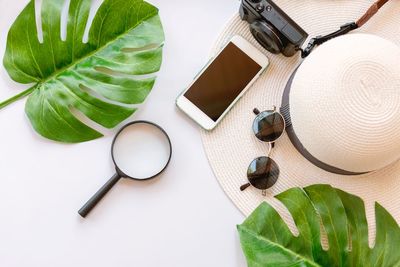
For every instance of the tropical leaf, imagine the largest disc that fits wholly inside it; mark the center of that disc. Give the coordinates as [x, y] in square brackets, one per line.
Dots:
[95, 78]
[267, 241]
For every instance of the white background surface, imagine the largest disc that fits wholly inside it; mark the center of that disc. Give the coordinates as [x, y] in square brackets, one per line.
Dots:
[181, 219]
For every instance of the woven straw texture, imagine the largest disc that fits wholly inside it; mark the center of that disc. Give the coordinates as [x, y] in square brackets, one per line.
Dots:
[232, 146]
[345, 103]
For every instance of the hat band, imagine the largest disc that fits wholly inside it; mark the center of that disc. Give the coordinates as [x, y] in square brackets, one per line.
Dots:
[285, 111]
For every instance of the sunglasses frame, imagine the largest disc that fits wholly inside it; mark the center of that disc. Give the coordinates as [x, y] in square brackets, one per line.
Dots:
[273, 111]
[271, 144]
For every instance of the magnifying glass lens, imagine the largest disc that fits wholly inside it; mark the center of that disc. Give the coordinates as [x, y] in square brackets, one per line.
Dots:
[141, 150]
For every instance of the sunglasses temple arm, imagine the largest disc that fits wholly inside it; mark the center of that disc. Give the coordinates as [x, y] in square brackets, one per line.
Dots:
[84, 211]
[244, 187]
[256, 111]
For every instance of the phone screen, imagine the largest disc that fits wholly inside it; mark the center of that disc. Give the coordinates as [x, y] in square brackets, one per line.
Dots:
[223, 81]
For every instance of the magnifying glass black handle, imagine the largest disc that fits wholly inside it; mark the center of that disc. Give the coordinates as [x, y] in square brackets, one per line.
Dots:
[99, 195]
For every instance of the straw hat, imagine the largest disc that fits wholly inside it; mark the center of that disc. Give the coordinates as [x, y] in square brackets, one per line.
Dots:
[344, 104]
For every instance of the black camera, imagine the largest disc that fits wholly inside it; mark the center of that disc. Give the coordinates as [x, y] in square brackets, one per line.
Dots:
[272, 27]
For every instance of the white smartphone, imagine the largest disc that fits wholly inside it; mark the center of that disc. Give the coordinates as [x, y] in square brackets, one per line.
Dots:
[221, 83]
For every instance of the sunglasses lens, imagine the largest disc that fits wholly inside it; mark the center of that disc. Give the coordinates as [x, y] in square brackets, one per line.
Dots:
[263, 173]
[268, 126]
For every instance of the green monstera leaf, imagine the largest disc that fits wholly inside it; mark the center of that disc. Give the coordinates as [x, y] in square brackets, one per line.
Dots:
[96, 78]
[267, 241]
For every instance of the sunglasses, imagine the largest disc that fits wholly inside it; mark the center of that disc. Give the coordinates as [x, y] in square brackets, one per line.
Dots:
[263, 172]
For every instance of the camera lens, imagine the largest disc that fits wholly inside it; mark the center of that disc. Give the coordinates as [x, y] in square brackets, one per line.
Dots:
[266, 36]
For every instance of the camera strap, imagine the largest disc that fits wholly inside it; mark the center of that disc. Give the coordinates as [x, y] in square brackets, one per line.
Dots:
[344, 28]
[371, 12]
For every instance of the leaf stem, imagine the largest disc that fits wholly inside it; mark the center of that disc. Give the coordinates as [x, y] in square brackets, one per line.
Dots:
[17, 97]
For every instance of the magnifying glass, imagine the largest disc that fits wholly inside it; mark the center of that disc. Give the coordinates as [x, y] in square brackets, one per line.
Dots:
[141, 150]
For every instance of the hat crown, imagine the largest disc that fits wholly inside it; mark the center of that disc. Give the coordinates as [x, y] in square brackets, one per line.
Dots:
[345, 103]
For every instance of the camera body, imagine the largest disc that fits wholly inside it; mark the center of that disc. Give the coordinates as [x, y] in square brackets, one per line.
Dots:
[272, 27]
